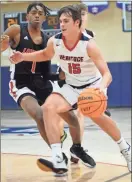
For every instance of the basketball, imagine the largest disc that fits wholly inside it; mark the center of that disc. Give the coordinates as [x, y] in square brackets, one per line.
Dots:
[92, 103]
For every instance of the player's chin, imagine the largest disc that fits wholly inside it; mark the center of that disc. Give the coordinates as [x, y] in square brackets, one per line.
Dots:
[64, 33]
[36, 23]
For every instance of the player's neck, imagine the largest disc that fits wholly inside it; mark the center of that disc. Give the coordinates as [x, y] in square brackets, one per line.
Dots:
[73, 38]
[34, 29]
[83, 29]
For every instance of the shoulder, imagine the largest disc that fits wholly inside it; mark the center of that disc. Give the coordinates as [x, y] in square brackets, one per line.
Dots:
[12, 31]
[14, 28]
[50, 42]
[92, 47]
[58, 35]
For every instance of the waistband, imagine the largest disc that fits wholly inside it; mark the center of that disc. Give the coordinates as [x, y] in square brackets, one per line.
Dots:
[62, 82]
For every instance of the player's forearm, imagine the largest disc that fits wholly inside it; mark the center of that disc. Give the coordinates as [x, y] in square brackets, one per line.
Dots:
[106, 80]
[4, 47]
[37, 56]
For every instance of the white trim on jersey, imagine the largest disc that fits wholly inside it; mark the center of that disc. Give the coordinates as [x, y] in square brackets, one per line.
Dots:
[12, 70]
[16, 93]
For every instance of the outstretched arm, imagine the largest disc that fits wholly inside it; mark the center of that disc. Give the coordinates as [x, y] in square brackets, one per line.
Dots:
[38, 56]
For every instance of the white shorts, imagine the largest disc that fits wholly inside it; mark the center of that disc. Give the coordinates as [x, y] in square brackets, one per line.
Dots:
[71, 94]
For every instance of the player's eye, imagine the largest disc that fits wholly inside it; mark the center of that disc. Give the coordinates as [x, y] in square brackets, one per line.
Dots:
[33, 12]
[66, 21]
[40, 13]
[82, 14]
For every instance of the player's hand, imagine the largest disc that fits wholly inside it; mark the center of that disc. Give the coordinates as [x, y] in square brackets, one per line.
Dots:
[101, 89]
[4, 42]
[17, 57]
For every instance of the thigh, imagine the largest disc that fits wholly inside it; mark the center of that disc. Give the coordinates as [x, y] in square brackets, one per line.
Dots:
[30, 105]
[67, 92]
[58, 103]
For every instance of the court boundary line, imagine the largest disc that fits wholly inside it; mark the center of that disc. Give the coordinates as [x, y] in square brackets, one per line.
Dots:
[37, 155]
[118, 177]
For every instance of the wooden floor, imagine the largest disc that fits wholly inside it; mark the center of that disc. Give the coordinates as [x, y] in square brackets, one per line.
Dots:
[19, 136]
[23, 168]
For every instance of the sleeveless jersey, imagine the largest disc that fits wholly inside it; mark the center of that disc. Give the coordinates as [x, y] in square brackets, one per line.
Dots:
[78, 67]
[26, 44]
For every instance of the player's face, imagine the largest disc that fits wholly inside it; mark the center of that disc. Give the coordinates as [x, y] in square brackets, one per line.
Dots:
[67, 25]
[36, 16]
[84, 16]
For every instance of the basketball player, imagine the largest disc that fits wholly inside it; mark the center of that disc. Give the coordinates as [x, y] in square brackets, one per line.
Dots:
[29, 85]
[83, 64]
[84, 16]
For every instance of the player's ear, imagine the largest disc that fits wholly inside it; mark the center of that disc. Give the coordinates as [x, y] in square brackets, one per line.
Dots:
[77, 23]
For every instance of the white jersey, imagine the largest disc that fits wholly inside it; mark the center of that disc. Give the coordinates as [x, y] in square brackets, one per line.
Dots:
[78, 67]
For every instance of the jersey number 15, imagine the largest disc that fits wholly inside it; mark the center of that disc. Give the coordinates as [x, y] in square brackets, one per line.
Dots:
[74, 68]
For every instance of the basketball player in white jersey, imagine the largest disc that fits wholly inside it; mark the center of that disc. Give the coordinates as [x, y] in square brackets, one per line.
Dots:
[84, 16]
[83, 63]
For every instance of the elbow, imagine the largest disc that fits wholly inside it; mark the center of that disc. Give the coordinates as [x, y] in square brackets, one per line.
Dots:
[110, 78]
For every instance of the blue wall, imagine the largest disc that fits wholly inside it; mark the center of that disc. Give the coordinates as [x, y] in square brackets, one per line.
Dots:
[119, 92]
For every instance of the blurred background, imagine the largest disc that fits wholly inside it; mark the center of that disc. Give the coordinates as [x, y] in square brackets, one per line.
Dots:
[111, 22]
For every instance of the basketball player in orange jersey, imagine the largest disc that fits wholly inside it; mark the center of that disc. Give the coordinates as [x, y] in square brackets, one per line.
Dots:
[83, 64]
[28, 87]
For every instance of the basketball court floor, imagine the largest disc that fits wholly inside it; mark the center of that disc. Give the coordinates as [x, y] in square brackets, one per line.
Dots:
[21, 146]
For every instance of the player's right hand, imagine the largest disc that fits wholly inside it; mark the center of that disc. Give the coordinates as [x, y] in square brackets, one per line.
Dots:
[4, 42]
[17, 57]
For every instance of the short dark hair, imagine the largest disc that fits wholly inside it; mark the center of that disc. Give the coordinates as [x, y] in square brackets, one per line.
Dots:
[71, 11]
[82, 7]
[35, 4]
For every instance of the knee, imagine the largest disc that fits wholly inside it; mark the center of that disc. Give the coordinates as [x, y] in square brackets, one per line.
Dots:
[49, 107]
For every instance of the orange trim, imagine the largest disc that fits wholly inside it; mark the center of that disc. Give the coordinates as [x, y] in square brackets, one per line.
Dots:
[70, 49]
[33, 69]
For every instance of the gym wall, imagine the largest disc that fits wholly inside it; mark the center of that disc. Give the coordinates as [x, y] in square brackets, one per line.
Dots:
[113, 42]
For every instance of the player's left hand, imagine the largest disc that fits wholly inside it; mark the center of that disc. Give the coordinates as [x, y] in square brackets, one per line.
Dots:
[101, 89]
